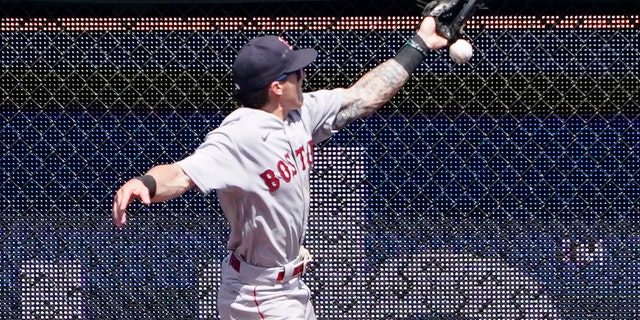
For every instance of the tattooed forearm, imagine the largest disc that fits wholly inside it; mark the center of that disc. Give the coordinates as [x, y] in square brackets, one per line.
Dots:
[372, 91]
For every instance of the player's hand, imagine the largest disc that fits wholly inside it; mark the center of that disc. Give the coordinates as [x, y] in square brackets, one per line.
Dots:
[431, 38]
[133, 189]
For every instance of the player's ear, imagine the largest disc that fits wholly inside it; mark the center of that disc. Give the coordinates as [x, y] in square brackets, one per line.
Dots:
[276, 87]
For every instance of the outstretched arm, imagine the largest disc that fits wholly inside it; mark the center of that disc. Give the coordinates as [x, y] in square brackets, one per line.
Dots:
[377, 86]
[170, 182]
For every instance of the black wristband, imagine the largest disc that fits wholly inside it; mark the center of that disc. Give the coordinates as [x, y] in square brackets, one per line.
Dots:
[150, 183]
[412, 54]
[418, 44]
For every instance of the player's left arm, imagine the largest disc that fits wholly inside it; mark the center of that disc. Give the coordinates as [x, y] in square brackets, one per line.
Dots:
[376, 87]
[372, 91]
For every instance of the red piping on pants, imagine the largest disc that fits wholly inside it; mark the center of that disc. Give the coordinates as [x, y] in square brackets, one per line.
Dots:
[255, 299]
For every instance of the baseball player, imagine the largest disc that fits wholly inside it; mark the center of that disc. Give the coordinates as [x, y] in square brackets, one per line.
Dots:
[259, 159]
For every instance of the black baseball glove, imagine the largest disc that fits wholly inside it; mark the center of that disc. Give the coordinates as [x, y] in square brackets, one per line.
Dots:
[450, 15]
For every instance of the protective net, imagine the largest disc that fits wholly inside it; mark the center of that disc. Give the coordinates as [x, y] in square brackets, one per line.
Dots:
[504, 188]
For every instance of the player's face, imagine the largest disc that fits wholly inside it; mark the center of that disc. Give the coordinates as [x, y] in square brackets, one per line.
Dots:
[292, 96]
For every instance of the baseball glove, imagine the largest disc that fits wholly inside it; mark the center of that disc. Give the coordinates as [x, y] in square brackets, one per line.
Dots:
[450, 15]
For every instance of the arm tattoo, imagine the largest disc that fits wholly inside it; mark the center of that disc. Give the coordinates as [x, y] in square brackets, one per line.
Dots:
[371, 92]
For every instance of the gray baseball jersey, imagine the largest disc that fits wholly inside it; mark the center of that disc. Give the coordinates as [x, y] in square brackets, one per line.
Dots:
[259, 166]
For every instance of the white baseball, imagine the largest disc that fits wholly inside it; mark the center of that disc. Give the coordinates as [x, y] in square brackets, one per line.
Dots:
[460, 51]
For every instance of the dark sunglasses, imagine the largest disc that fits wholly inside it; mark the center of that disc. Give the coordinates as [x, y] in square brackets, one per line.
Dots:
[299, 74]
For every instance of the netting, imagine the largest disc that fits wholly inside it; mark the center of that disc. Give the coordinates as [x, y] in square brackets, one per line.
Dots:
[504, 188]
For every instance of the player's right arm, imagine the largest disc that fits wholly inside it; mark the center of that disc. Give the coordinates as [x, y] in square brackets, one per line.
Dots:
[171, 181]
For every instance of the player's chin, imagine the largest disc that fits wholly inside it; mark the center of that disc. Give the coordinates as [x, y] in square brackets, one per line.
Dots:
[294, 105]
[299, 101]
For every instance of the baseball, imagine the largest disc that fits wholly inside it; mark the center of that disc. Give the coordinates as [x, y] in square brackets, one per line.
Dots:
[460, 51]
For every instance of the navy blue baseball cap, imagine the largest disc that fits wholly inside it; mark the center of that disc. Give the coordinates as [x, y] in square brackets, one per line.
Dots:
[264, 59]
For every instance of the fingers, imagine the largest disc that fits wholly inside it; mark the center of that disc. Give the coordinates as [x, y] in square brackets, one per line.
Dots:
[133, 189]
[430, 36]
[120, 203]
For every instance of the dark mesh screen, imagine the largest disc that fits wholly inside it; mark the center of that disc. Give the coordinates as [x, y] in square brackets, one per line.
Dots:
[504, 188]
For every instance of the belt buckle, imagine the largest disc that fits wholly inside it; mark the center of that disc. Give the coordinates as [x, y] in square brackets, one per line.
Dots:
[301, 267]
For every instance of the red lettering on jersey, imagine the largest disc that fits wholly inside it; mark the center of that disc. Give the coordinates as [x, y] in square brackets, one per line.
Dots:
[284, 171]
[300, 154]
[292, 165]
[310, 151]
[270, 180]
[287, 167]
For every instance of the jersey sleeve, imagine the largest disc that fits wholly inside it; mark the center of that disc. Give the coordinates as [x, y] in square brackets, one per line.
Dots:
[319, 111]
[214, 164]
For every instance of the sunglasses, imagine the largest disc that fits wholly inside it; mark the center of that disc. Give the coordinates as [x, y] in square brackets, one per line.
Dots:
[299, 75]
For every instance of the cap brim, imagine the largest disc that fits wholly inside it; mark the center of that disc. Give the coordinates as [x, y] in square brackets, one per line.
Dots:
[302, 58]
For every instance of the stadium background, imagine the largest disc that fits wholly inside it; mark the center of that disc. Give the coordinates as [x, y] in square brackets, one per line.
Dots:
[505, 188]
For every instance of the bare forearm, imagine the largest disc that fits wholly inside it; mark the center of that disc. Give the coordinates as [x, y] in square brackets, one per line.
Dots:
[171, 182]
[377, 86]
[371, 92]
